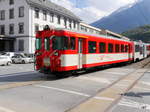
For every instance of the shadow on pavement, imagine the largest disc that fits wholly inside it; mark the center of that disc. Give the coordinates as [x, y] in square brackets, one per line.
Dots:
[34, 75]
[25, 76]
[139, 94]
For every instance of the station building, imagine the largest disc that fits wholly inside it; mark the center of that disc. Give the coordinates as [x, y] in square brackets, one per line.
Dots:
[20, 19]
[93, 30]
[90, 29]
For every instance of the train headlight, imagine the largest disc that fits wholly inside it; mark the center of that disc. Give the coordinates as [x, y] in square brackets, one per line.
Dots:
[56, 53]
[47, 62]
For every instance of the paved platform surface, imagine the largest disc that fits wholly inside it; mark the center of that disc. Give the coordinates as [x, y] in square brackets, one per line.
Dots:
[136, 99]
[19, 94]
[108, 97]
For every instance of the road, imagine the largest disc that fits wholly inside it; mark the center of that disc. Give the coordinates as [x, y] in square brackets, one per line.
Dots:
[24, 90]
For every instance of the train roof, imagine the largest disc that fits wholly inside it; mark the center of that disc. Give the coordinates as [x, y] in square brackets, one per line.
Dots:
[87, 33]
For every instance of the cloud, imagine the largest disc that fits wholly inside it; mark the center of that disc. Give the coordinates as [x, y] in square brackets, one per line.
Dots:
[89, 14]
[109, 5]
[94, 9]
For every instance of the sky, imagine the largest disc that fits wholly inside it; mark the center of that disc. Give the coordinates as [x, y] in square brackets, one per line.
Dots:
[92, 10]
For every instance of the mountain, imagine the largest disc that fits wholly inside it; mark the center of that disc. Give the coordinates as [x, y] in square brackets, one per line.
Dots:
[125, 18]
[139, 33]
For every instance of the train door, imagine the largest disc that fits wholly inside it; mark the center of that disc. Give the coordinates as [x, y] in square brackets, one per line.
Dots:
[144, 51]
[80, 53]
[130, 52]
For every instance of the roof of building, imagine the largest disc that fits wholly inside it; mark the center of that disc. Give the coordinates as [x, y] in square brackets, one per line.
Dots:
[89, 26]
[116, 35]
[47, 4]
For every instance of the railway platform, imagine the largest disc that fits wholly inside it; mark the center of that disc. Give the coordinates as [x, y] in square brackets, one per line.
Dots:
[106, 98]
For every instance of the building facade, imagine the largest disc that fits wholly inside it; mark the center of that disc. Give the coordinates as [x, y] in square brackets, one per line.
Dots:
[20, 19]
[90, 29]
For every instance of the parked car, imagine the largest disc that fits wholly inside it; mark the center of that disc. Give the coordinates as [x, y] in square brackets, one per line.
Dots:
[5, 60]
[31, 56]
[1, 53]
[9, 54]
[20, 59]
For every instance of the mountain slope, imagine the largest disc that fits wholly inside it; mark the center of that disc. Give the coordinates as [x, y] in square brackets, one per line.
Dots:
[126, 18]
[140, 33]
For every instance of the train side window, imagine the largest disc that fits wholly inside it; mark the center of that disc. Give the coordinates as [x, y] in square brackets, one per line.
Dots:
[72, 43]
[117, 48]
[110, 48]
[137, 48]
[60, 43]
[102, 47]
[65, 42]
[141, 49]
[56, 43]
[126, 48]
[92, 46]
[122, 48]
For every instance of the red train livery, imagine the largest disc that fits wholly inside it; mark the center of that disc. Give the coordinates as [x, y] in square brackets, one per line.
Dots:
[60, 50]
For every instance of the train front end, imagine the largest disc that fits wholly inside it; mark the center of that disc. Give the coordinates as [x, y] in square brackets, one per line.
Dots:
[47, 58]
[51, 49]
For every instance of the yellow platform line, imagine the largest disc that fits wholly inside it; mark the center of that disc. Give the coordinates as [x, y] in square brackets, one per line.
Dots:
[19, 84]
[113, 92]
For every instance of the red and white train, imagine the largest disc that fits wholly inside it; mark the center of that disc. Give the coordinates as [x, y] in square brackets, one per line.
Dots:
[60, 50]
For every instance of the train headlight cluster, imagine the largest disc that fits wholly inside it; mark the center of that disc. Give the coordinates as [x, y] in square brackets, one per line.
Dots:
[47, 61]
[56, 53]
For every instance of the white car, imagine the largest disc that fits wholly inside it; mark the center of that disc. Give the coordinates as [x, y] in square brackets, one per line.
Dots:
[9, 54]
[20, 59]
[31, 56]
[5, 60]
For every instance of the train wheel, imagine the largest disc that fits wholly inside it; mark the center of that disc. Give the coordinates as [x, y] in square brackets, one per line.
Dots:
[74, 73]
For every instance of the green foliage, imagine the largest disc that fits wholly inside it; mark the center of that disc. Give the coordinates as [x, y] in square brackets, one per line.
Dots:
[140, 33]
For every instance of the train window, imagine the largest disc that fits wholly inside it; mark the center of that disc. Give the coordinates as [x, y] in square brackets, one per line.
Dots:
[72, 43]
[102, 47]
[137, 48]
[122, 48]
[110, 48]
[65, 43]
[56, 44]
[117, 48]
[141, 49]
[46, 44]
[60, 43]
[126, 48]
[147, 48]
[38, 43]
[92, 46]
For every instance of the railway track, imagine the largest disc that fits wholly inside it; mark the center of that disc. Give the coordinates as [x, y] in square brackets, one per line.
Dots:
[39, 80]
[107, 97]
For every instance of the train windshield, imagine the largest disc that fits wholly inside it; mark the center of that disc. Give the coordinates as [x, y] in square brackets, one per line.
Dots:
[38, 43]
[47, 44]
[60, 43]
